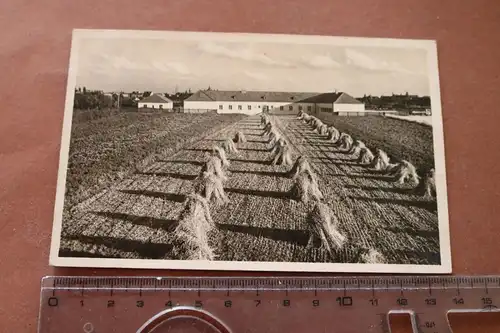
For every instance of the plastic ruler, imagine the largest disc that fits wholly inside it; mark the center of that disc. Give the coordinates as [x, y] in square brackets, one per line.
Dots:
[260, 305]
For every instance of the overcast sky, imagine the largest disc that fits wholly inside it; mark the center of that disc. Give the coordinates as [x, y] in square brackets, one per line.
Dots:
[161, 66]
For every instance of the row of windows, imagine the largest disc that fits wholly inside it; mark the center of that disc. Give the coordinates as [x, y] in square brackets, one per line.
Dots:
[152, 106]
[290, 107]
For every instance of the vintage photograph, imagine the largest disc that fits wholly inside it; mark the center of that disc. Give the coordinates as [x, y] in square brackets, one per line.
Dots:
[261, 152]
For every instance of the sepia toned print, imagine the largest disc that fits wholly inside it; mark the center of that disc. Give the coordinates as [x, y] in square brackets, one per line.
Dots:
[252, 152]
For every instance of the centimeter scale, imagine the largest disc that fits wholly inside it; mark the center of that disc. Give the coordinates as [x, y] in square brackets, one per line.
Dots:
[260, 305]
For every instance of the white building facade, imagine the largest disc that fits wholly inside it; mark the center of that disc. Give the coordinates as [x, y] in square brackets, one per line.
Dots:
[156, 101]
[254, 102]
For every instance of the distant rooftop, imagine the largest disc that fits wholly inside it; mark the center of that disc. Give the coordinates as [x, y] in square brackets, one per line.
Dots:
[272, 96]
[156, 98]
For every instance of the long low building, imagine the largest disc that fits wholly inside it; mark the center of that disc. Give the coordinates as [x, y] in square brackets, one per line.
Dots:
[253, 102]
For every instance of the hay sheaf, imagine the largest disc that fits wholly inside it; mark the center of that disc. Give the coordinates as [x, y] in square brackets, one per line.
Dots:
[192, 230]
[372, 256]
[214, 165]
[311, 120]
[306, 118]
[301, 165]
[405, 172]
[430, 185]
[356, 147]
[229, 147]
[345, 142]
[282, 156]
[317, 124]
[239, 137]
[221, 154]
[381, 160]
[264, 120]
[211, 187]
[323, 226]
[322, 129]
[274, 137]
[268, 129]
[365, 156]
[280, 143]
[333, 134]
[305, 188]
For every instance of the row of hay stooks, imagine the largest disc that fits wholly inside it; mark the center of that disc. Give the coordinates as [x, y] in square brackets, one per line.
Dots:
[322, 223]
[191, 233]
[403, 172]
[195, 222]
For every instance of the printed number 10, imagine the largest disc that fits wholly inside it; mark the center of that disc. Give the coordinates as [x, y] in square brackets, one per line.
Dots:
[344, 301]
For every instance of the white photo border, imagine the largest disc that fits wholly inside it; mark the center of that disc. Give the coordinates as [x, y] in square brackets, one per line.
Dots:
[438, 139]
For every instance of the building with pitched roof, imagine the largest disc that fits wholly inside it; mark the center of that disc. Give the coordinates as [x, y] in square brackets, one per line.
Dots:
[156, 101]
[253, 102]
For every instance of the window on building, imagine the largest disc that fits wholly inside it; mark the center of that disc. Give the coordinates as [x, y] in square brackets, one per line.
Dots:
[259, 106]
[239, 107]
[161, 106]
[144, 105]
[290, 107]
[152, 106]
[309, 108]
[249, 107]
[281, 107]
[221, 106]
[230, 107]
[300, 107]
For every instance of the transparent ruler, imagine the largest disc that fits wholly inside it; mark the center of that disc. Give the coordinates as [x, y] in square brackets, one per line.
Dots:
[260, 305]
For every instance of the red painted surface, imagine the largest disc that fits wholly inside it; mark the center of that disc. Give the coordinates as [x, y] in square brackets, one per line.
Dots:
[34, 52]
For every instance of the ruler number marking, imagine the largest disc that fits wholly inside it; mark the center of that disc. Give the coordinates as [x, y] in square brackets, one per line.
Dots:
[139, 304]
[198, 304]
[111, 303]
[344, 301]
[374, 302]
[53, 301]
[257, 302]
[430, 301]
[430, 324]
[228, 304]
[487, 301]
[402, 301]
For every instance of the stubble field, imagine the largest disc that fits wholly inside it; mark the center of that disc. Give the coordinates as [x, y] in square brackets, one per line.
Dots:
[135, 217]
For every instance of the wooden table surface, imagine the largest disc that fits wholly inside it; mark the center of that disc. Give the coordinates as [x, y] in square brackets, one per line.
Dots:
[34, 51]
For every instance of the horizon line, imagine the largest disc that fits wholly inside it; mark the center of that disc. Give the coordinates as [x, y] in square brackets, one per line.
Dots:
[241, 90]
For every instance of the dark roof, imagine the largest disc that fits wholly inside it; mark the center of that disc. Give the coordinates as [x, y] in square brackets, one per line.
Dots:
[248, 96]
[322, 98]
[346, 99]
[272, 96]
[156, 98]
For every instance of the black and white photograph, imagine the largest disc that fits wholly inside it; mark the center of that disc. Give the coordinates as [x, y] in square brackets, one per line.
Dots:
[257, 152]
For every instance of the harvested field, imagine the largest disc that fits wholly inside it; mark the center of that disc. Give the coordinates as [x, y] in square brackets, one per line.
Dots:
[402, 140]
[105, 148]
[137, 216]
